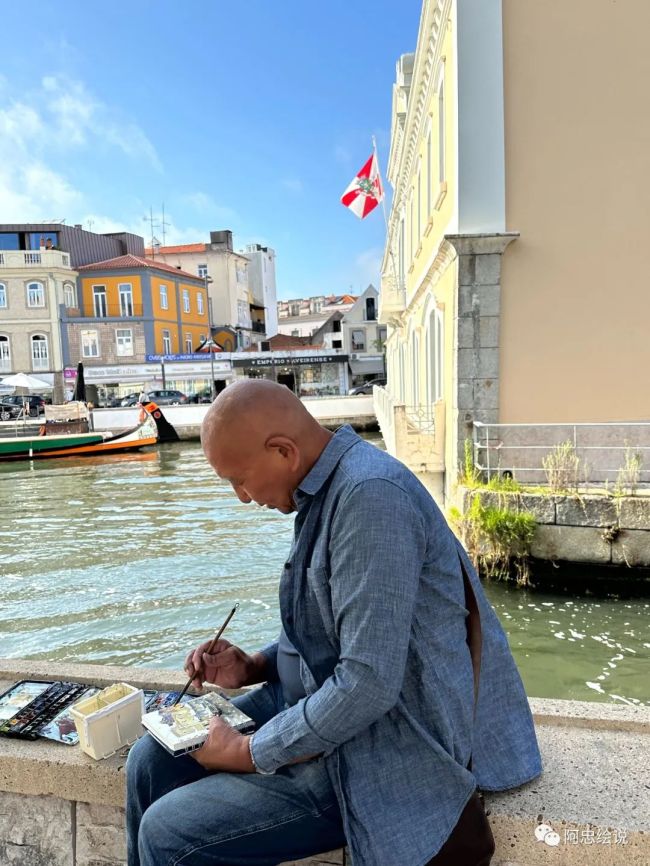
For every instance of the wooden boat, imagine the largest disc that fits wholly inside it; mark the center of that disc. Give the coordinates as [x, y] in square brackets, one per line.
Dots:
[52, 441]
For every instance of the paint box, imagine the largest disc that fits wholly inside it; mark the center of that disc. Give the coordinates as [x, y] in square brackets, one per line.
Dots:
[109, 720]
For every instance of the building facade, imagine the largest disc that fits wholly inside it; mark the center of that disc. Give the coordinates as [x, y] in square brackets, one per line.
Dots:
[519, 203]
[225, 275]
[358, 333]
[33, 285]
[301, 317]
[126, 311]
[261, 281]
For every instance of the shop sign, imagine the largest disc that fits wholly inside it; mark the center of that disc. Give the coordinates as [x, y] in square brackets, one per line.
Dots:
[193, 356]
[288, 360]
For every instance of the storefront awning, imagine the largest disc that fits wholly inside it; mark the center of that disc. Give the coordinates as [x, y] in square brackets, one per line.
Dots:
[366, 366]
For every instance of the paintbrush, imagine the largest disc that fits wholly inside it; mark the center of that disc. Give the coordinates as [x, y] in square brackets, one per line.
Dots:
[209, 650]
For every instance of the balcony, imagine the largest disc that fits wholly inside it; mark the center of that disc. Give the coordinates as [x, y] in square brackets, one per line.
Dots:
[104, 311]
[413, 434]
[34, 259]
[392, 299]
[259, 327]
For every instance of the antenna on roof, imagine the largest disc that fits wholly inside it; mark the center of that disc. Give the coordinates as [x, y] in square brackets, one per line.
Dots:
[163, 223]
[153, 225]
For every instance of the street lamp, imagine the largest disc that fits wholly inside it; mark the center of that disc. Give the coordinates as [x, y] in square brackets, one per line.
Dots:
[212, 346]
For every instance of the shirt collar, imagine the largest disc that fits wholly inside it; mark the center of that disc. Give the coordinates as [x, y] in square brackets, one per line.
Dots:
[341, 441]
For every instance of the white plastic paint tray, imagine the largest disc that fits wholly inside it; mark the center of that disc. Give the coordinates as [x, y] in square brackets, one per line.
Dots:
[109, 720]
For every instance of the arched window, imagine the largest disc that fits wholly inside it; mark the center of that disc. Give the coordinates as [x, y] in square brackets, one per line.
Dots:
[40, 352]
[371, 310]
[402, 373]
[441, 129]
[3, 295]
[415, 372]
[439, 355]
[70, 295]
[35, 295]
[5, 354]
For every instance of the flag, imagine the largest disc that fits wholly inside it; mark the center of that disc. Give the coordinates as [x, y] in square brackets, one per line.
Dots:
[366, 191]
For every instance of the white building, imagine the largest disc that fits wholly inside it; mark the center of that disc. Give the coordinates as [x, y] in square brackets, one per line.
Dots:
[302, 317]
[358, 333]
[261, 282]
[225, 271]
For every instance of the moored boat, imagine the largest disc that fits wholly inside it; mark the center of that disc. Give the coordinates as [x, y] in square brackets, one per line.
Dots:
[49, 442]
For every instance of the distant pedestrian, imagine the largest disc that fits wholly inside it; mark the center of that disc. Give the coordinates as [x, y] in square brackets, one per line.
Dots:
[143, 397]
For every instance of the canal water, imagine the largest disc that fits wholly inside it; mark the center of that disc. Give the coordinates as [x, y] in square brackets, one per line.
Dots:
[134, 560]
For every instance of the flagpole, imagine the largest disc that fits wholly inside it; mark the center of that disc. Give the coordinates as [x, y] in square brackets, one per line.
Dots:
[383, 207]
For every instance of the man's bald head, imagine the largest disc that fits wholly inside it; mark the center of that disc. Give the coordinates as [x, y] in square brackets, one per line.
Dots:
[259, 436]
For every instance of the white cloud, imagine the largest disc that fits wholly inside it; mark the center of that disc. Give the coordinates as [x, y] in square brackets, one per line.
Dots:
[59, 118]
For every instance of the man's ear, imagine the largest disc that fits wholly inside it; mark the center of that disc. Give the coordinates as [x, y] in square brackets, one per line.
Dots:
[286, 448]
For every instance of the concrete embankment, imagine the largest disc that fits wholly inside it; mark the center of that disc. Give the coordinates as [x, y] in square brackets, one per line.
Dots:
[332, 412]
[61, 808]
[608, 534]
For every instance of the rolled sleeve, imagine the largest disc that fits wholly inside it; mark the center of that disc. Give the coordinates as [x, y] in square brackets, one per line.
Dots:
[377, 550]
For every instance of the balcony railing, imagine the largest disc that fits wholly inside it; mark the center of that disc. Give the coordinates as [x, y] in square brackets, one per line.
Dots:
[34, 259]
[259, 327]
[108, 311]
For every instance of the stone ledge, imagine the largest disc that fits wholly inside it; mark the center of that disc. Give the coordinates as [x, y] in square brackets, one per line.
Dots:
[596, 757]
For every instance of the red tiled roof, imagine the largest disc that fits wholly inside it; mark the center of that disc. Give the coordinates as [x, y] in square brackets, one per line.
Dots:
[180, 248]
[130, 261]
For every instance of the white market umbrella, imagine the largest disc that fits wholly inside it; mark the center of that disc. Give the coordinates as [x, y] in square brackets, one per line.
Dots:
[22, 380]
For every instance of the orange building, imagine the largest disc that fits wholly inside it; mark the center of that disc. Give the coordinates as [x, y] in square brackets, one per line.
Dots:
[132, 307]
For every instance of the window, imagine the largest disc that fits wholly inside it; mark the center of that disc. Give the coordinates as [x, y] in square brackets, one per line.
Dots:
[100, 306]
[411, 244]
[295, 332]
[294, 310]
[186, 301]
[202, 271]
[124, 341]
[188, 343]
[126, 299]
[440, 355]
[89, 344]
[164, 303]
[337, 344]
[70, 296]
[359, 340]
[5, 354]
[3, 295]
[429, 178]
[336, 326]
[240, 272]
[441, 131]
[419, 205]
[371, 311]
[167, 343]
[40, 354]
[35, 295]
[199, 303]
[400, 253]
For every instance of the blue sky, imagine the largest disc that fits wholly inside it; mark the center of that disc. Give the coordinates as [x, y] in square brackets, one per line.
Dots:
[247, 115]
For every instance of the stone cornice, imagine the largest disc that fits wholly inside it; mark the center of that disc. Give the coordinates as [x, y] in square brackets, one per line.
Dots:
[481, 244]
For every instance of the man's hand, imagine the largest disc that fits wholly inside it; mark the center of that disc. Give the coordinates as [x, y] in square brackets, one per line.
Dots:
[225, 749]
[226, 666]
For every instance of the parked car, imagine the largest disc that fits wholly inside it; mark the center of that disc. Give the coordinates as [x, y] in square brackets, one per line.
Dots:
[167, 398]
[200, 397]
[367, 387]
[35, 403]
[8, 411]
[129, 400]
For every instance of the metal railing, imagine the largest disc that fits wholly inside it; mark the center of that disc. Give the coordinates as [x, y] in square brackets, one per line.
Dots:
[110, 311]
[422, 417]
[520, 449]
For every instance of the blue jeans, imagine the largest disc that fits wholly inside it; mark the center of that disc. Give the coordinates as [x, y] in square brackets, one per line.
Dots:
[178, 813]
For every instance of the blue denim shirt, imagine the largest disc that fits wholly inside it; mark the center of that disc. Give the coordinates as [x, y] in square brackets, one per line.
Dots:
[372, 598]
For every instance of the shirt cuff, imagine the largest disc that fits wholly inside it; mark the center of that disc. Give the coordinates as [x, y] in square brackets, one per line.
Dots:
[256, 766]
[287, 737]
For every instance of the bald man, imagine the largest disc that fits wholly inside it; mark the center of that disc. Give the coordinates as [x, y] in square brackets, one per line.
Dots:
[370, 726]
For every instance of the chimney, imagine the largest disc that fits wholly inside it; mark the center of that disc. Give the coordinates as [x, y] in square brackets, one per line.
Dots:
[78, 226]
[222, 239]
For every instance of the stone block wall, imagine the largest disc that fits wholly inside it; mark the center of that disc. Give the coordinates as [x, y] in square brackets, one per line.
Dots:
[576, 528]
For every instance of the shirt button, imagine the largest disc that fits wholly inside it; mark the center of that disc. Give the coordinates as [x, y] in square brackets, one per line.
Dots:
[287, 565]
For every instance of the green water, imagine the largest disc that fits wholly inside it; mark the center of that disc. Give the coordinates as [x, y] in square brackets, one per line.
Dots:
[133, 560]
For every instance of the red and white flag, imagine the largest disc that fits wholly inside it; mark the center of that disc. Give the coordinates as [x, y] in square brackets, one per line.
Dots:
[366, 190]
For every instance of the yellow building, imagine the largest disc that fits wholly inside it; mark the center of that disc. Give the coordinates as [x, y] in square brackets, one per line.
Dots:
[132, 307]
[511, 280]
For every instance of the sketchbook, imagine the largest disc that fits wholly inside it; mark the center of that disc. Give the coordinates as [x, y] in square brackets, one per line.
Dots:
[184, 727]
